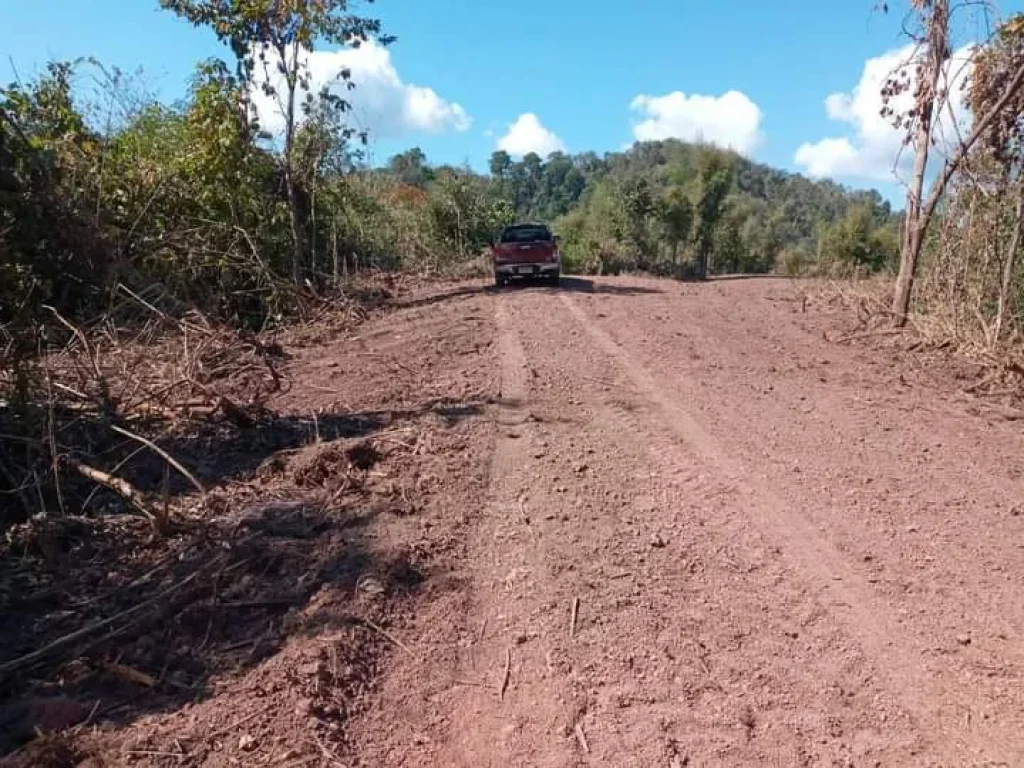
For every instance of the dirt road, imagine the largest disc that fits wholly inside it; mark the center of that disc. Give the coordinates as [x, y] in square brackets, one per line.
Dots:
[711, 537]
[622, 523]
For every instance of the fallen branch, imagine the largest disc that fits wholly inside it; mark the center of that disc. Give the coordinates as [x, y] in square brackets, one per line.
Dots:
[163, 454]
[122, 488]
[868, 334]
[573, 617]
[384, 633]
[105, 400]
[31, 658]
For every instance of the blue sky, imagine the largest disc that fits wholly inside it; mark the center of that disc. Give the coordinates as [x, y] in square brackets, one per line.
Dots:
[778, 81]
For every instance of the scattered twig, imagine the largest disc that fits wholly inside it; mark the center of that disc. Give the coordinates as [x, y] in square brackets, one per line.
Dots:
[505, 676]
[163, 454]
[101, 380]
[573, 617]
[581, 737]
[31, 658]
[868, 334]
[327, 754]
[982, 382]
[472, 683]
[384, 633]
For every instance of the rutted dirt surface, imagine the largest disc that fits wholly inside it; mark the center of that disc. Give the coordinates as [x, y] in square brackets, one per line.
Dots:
[627, 523]
[712, 537]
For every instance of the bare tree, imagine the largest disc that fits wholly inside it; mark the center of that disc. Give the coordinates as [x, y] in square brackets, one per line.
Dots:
[930, 99]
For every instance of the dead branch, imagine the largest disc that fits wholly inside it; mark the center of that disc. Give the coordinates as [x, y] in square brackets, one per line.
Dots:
[35, 656]
[163, 454]
[868, 334]
[384, 633]
[106, 402]
[121, 487]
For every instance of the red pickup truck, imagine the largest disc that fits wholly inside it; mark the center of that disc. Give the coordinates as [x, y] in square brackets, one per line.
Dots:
[526, 251]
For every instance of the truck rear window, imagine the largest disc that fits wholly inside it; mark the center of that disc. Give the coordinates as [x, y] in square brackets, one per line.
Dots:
[526, 235]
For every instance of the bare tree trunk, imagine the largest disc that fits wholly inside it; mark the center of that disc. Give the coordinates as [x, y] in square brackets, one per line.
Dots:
[1009, 260]
[290, 64]
[334, 248]
[916, 222]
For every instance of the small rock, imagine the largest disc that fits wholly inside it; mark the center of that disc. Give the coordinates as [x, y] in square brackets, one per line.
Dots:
[246, 742]
[581, 469]
[1016, 511]
[658, 541]
[911, 529]
[963, 639]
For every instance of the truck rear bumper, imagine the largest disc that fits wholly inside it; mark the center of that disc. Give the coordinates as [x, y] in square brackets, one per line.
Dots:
[527, 270]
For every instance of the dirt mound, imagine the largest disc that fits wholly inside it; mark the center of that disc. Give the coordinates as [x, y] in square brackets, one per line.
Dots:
[251, 628]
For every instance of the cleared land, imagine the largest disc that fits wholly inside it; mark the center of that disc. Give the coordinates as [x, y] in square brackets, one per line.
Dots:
[628, 522]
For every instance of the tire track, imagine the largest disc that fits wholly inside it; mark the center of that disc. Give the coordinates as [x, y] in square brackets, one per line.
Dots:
[499, 714]
[899, 660]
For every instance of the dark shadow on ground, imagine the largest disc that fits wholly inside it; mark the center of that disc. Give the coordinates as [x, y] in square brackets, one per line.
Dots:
[755, 276]
[216, 450]
[571, 283]
[458, 292]
[141, 621]
[177, 612]
[577, 284]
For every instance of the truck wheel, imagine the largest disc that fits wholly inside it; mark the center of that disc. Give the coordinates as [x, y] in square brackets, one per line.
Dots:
[499, 281]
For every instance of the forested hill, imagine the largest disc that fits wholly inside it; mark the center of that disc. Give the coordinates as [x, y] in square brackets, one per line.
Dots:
[672, 206]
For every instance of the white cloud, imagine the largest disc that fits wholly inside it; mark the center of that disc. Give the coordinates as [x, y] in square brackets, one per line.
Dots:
[731, 120]
[871, 148]
[381, 102]
[528, 134]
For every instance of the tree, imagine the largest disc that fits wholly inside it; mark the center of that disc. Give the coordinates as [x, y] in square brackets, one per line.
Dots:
[930, 66]
[279, 35]
[730, 253]
[410, 167]
[1003, 141]
[500, 162]
[638, 205]
[715, 179]
[676, 213]
[930, 99]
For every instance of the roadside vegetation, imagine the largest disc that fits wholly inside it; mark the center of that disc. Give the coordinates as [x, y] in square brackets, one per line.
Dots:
[153, 256]
[121, 217]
